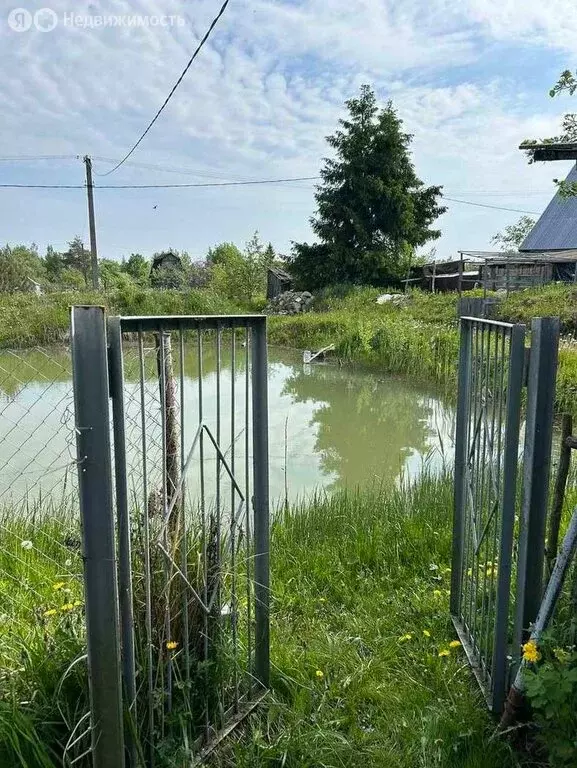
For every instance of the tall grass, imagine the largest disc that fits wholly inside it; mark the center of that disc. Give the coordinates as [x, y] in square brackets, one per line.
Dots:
[29, 320]
[43, 678]
[419, 339]
[359, 617]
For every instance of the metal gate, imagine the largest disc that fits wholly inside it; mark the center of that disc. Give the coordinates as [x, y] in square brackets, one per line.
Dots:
[178, 633]
[498, 555]
[486, 456]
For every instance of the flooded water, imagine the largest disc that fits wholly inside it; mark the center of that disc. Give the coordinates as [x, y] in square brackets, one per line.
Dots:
[330, 426]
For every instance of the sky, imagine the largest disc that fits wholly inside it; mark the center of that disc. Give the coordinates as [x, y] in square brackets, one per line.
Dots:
[470, 79]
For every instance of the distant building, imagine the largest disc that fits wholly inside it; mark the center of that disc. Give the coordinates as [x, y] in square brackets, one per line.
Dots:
[167, 271]
[165, 260]
[278, 281]
[556, 229]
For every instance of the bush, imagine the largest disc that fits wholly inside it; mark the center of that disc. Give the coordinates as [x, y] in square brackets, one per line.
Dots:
[552, 691]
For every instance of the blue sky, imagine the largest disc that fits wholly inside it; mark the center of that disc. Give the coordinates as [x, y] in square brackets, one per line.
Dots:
[469, 78]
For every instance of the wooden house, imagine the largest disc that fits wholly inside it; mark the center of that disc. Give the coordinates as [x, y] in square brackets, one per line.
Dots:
[277, 281]
[165, 260]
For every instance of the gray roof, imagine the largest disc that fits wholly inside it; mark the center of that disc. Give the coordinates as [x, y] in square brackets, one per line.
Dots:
[556, 229]
[282, 274]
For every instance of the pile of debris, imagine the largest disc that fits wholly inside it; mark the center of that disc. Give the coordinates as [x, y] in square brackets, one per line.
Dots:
[392, 298]
[289, 303]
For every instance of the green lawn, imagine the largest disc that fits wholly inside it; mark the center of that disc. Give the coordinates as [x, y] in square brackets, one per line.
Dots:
[359, 618]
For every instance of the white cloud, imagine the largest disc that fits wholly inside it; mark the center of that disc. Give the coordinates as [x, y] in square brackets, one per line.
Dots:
[270, 85]
[546, 22]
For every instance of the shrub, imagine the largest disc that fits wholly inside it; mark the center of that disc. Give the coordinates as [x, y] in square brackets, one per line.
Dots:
[552, 691]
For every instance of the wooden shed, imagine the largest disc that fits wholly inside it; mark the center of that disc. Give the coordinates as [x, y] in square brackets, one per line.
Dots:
[517, 270]
[278, 281]
[167, 259]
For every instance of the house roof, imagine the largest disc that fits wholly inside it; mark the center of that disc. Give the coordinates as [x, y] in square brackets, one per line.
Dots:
[556, 229]
[159, 258]
[280, 273]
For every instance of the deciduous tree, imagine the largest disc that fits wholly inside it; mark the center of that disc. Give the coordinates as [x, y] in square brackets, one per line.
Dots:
[511, 237]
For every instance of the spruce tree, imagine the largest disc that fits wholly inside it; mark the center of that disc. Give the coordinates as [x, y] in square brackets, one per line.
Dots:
[372, 209]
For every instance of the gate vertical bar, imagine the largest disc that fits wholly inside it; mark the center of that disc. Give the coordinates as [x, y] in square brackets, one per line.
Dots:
[116, 380]
[461, 442]
[261, 501]
[91, 394]
[537, 465]
[508, 503]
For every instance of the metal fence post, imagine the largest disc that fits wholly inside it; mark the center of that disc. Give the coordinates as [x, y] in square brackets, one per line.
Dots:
[537, 464]
[261, 501]
[116, 380]
[90, 381]
[461, 442]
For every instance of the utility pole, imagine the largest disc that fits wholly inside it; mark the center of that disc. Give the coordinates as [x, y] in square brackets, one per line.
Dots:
[91, 223]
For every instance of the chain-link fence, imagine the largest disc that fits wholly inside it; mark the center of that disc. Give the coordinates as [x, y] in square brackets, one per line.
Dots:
[42, 628]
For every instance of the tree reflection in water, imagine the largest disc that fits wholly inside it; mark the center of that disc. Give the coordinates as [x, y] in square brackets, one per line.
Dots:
[370, 427]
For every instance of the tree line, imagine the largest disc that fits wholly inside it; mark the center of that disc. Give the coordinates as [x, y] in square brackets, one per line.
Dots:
[235, 273]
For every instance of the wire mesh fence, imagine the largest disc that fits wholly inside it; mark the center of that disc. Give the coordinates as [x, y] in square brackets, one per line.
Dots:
[37, 443]
[188, 434]
[42, 627]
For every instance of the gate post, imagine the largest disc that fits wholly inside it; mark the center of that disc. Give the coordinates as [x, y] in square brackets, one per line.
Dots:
[116, 384]
[261, 502]
[90, 383]
[537, 464]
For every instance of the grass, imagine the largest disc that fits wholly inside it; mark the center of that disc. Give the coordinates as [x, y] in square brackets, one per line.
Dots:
[551, 300]
[30, 320]
[359, 604]
[359, 617]
[353, 574]
[42, 670]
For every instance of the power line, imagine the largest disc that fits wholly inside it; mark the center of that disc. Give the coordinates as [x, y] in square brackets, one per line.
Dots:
[172, 169]
[254, 182]
[486, 205]
[161, 186]
[175, 86]
[32, 158]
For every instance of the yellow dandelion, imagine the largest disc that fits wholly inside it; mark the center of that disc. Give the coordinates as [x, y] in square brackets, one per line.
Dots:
[59, 585]
[171, 645]
[455, 644]
[67, 607]
[444, 652]
[437, 593]
[403, 638]
[51, 612]
[77, 603]
[530, 652]
[426, 633]
[320, 674]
